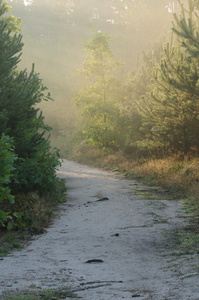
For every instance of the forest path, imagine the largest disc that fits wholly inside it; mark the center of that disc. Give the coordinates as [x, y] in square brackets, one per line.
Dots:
[108, 249]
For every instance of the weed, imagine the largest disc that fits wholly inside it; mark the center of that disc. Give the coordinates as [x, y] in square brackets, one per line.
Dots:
[189, 275]
[149, 195]
[54, 294]
[183, 242]
[191, 206]
[157, 205]
[37, 215]
[158, 217]
[8, 242]
[187, 240]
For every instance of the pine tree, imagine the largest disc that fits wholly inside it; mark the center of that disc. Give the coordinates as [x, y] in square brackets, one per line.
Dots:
[172, 113]
[21, 119]
[135, 96]
[98, 101]
[186, 27]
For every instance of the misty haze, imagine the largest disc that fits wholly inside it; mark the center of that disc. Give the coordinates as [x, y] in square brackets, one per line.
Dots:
[99, 149]
[54, 33]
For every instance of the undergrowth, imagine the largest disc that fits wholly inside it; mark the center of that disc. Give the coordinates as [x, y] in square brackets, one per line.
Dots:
[31, 215]
[184, 241]
[180, 178]
[10, 241]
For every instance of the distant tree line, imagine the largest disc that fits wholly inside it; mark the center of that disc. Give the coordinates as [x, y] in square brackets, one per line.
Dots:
[155, 110]
[27, 162]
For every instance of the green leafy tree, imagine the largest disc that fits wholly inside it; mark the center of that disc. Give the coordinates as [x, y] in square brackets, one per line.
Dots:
[12, 23]
[98, 101]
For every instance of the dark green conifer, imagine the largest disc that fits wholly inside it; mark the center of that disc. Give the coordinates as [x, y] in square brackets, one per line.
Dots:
[172, 112]
[21, 119]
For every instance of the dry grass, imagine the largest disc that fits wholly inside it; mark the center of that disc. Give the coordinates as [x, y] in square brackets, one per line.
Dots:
[171, 172]
[181, 177]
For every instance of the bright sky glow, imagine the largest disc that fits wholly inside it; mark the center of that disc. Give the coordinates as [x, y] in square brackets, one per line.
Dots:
[28, 2]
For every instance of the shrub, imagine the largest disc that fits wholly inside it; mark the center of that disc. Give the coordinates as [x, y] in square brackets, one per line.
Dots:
[7, 158]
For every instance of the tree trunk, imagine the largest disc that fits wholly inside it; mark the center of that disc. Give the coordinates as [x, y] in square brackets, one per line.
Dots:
[185, 140]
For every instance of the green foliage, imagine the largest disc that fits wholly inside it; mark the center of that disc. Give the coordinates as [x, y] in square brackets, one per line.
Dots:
[186, 27]
[7, 158]
[156, 107]
[100, 61]
[34, 170]
[184, 242]
[170, 118]
[12, 23]
[56, 294]
[99, 101]
[8, 242]
[134, 92]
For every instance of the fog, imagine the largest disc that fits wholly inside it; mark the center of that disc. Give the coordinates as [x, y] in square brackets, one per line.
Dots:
[54, 32]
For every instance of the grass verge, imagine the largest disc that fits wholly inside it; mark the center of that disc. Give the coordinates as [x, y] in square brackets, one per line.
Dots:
[178, 178]
[181, 177]
[54, 294]
[9, 241]
[184, 241]
[35, 215]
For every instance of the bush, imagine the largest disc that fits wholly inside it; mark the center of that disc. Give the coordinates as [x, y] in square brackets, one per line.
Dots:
[7, 158]
[29, 171]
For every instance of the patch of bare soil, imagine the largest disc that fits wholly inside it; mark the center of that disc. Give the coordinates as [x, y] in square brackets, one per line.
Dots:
[108, 243]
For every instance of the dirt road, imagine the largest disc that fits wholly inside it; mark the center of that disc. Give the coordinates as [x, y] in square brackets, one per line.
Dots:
[106, 244]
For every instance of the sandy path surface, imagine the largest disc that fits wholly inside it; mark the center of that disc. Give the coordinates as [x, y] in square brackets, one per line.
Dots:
[122, 234]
